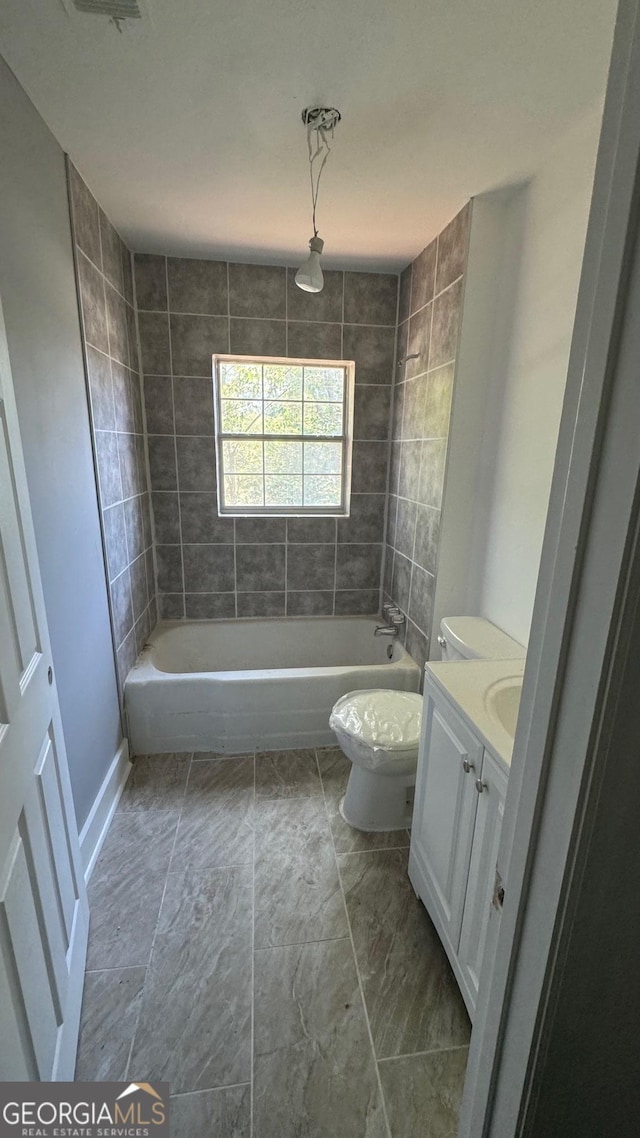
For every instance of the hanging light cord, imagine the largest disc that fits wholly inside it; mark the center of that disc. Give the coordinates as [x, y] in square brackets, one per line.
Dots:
[322, 148]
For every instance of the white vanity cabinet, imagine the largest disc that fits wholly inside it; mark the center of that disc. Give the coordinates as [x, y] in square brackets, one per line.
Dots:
[459, 802]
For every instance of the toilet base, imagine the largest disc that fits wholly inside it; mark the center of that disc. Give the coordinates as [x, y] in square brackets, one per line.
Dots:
[377, 802]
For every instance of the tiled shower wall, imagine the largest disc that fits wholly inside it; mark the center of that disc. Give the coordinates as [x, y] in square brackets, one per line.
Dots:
[105, 288]
[210, 566]
[429, 314]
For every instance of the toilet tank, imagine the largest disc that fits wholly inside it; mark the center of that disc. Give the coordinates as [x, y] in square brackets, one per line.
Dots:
[474, 638]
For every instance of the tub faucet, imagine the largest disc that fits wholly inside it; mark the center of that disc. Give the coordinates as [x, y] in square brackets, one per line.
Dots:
[395, 621]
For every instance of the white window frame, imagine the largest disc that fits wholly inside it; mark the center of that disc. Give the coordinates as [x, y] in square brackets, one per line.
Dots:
[346, 438]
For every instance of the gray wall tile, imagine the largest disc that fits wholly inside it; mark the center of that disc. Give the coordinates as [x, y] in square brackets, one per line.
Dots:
[315, 341]
[315, 530]
[210, 606]
[357, 602]
[171, 606]
[401, 581]
[162, 462]
[158, 404]
[200, 521]
[434, 453]
[371, 412]
[310, 567]
[179, 414]
[261, 604]
[86, 217]
[197, 286]
[310, 603]
[194, 339]
[115, 536]
[166, 517]
[154, 343]
[110, 480]
[258, 530]
[196, 463]
[369, 473]
[94, 311]
[404, 299]
[260, 568]
[405, 527]
[358, 566]
[420, 426]
[257, 290]
[370, 298]
[453, 243]
[372, 350]
[418, 342]
[258, 337]
[447, 310]
[151, 282]
[169, 562]
[121, 608]
[100, 386]
[438, 402]
[193, 406]
[118, 324]
[366, 520]
[139, 588]
[108, 322]
[421, 598]
[423, 277]
[112, 260]
[208, 568]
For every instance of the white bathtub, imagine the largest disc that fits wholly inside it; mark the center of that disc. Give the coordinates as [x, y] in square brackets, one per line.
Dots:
[234, 686]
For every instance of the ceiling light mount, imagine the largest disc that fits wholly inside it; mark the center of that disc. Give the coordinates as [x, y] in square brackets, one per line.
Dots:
[321, 118]
[320, 123]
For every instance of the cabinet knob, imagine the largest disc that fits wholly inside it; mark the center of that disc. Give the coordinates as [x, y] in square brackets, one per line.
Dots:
[467, 766]
[480, 785]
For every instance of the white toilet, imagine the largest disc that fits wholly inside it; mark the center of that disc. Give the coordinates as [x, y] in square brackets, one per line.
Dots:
[379, 729]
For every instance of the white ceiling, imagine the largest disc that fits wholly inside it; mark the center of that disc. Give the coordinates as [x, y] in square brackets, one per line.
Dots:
[188, 131]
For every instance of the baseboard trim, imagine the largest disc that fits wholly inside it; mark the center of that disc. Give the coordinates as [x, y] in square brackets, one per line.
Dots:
[96, 827]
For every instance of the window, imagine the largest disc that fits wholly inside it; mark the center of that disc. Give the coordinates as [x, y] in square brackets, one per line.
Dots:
[283, 435]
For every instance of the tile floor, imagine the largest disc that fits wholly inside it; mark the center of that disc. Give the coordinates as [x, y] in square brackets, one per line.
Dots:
[272, 964]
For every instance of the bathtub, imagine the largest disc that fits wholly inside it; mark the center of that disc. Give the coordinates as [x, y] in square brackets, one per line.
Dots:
[234, 686]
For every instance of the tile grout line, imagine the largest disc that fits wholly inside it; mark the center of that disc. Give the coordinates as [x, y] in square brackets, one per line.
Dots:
[155, 931]
[207, 1090]
[355, 958]
[421, 1054]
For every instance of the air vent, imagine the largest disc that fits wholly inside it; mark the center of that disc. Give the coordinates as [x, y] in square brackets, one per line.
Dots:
[115, 9]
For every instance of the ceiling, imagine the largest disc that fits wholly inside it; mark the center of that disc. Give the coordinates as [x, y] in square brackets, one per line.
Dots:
[188, 128]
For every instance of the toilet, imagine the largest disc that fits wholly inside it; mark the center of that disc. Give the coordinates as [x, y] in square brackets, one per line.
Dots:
[379, 729]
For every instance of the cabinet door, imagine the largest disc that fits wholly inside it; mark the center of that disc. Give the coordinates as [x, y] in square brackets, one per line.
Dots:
[444, 813]
[478, 910]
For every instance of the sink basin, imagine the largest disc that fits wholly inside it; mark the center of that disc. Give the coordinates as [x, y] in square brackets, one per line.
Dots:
[503, 702]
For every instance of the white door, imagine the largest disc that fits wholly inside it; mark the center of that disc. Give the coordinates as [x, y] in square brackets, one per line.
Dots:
[44, 914]
[444, 813]
[478, 910]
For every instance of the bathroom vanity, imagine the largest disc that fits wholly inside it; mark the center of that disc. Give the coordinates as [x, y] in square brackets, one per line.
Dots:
[468, 722]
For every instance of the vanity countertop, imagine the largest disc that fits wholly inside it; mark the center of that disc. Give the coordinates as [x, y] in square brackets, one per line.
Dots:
[471, 685]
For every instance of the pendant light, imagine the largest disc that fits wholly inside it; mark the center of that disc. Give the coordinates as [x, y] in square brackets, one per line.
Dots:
[320, 123]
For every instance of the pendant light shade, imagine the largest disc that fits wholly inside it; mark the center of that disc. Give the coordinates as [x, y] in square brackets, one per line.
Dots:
[309, 276]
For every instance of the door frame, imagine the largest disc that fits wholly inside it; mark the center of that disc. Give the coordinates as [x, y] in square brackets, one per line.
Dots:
[579, 656]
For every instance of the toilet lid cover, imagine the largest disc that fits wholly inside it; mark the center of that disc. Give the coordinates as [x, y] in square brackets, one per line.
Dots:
[386, 720]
